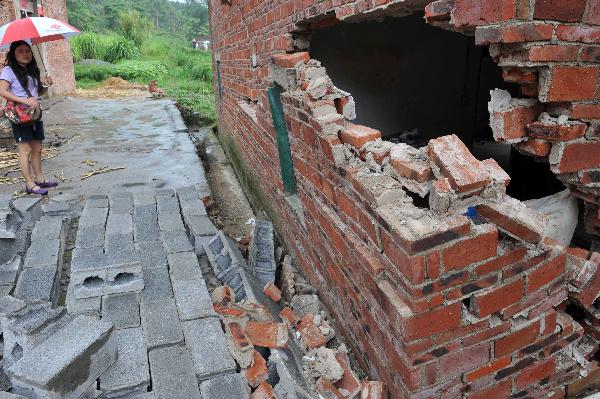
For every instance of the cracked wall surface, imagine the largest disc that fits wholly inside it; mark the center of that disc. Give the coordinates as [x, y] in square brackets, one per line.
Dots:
[446, 286]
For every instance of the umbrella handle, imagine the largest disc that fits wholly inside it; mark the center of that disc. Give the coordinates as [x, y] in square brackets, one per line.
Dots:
[41, 58]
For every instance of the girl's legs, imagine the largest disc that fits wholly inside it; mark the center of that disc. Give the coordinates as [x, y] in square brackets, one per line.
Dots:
[36, 160]
[25, 151]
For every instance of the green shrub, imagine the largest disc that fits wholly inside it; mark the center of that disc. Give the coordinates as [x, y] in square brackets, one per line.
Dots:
[109, 48]
[134, 26]
[96, 73]
[141, 71]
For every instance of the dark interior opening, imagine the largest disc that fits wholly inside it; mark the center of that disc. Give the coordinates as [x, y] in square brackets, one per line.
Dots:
[407, 76]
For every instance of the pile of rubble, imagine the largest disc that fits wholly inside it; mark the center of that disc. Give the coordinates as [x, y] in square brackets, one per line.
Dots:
[283, 342]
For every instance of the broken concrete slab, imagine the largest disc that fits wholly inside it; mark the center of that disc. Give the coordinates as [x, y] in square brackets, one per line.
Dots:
[39, 284]
[262, 252]
[206, 341]
[10, 270]
[130, 374]
[43, 253]
[67, 363]
[173, 374]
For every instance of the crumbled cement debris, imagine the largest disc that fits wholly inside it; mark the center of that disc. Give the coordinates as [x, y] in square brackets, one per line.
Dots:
[321, 362]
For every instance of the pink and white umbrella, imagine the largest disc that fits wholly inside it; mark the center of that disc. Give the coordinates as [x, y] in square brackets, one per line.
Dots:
[35, 30]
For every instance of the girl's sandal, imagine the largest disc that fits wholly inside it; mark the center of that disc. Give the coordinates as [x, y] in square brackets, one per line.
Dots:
[35, 190]
[47, 184]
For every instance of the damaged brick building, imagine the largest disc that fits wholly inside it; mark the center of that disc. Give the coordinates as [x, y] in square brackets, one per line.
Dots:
[434, 167]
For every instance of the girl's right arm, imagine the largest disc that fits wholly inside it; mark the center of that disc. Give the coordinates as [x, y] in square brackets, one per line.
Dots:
[4, 92]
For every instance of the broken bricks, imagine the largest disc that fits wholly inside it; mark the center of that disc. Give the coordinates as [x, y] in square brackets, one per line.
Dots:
[268, 335]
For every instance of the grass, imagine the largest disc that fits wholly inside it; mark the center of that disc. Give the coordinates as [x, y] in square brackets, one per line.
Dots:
[184, 73]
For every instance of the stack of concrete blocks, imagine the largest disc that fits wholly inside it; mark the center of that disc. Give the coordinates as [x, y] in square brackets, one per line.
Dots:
[49, 354]
[103, 261]
[262, 252]
[227, 267]
[199, 227]
[39, 281]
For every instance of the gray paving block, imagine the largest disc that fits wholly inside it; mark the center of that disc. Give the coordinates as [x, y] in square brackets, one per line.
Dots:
[87, 259]
[119, 223]
[130, 374]
[143, 198]
[37, 285]
[56, 208]
[119, 246]
[9, 305]
[184, 266]
[121, 205]
[10, 270]
[91, 217]
[192, 207]
[200, 226]
[68, 362]
[173, 374]
[6, 289]
[120, 194]
[49, 228]
[230, 386]
[175, 241]
[170, 221]
[96, 202]
[151, 254]
[199, 242]
[157, 284]
[123, 310]
[206, 342]
[90, 237]
[167, 192]
[161, 323]
[193, 299]
[145, 213]
[146, 231]
[167, 204]
[44, 253]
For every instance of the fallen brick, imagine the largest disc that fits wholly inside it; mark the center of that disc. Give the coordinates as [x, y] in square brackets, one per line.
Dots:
[290, 60]
[509, 117]
[257, 373]
[229, 311]
[327, 390]
[349, 384]
[311, 335]
[358, 135]
[268, 335]
[272, 291]
[555, 131]
[515, 218]
[496, 173]
[373, 390]
[590, 290]
[264, 391]
[239, 344]
[406, 162]
[456, 163]
[289, 317]
[223, 295]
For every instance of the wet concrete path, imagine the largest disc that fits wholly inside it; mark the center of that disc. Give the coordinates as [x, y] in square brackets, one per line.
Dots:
[145, 136]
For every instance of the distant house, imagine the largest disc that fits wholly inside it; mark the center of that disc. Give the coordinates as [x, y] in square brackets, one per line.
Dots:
[203, 43]
[56, 56]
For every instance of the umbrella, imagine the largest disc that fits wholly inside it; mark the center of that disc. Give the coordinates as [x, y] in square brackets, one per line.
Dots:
[35, 30]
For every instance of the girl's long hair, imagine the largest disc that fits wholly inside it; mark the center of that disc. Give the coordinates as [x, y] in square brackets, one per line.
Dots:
[23, 72]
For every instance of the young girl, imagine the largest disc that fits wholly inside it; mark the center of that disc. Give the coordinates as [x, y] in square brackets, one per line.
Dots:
[20, 82]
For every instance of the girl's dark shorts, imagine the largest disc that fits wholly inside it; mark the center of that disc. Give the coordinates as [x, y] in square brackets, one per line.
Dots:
[25, 133]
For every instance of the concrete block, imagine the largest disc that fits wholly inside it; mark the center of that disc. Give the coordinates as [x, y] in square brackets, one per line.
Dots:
[184, 266]
[93, 217]
[150, 254]
[200, 226]
[146, 231]
[49, 228]
[193, 299]
[176, 118]
[119, 223]
[192, 207]
[44, 253]
[157, 284]
[67, 363]
[121, 205]
[175, 241]
[90, 237]
[172, 374]
[170, 221]
[38, 285]
[130, 374]
[160, 322]
[107, 279]
[99, 202]
[6, 289]
[167, 192]
[123, 310]
[56, 208]
[119, 247]
[199, 242]
[9, 305]
[30, 210]
[230, 386]
[89, 306]
[144, 213]
[206, 341]
[10, 270]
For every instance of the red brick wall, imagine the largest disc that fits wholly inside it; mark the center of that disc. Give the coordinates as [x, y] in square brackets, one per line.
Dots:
[58, 58]
[434, 304]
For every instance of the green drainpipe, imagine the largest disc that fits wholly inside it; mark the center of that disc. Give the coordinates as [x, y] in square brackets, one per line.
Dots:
[283, 141]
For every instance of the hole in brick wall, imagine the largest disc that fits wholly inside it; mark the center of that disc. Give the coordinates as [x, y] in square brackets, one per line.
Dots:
[582, 238]
[529, 178]
[412, 81]
[418, 201]
[575, 311]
